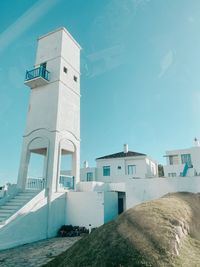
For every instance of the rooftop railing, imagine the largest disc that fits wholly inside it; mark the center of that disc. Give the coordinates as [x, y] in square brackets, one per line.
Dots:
[38, 72]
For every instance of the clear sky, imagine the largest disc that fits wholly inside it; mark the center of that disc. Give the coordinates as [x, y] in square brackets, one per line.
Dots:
[140, 69]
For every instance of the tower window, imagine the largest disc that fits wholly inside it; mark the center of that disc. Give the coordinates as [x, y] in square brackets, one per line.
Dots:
[65, 70]
[75, 79]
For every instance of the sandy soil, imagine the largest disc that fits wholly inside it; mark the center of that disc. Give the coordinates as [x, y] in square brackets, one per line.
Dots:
[35, 254]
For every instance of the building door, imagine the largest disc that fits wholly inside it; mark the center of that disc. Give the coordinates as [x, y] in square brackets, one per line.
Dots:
[120, 205]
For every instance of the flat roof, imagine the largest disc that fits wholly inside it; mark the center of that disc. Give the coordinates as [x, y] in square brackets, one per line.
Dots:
[61, 29]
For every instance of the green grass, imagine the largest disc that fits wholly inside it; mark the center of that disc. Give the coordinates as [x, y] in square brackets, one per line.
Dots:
[143, 236]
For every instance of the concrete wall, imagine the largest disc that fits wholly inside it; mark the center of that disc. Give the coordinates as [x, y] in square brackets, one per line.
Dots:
[140, 190]
[93, 186]
[35, 221]
[84, 208]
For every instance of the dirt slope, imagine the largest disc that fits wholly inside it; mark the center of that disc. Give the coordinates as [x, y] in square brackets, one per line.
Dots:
[163, 232]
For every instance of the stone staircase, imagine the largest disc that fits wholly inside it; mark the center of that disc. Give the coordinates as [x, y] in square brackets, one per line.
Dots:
[15, 203]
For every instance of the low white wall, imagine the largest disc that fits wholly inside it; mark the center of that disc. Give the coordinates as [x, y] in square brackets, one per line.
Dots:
[118, 187]
[92, 186]
[110, 206]
[140, 190]
[57, 213]
[84, 208]
[35, 221]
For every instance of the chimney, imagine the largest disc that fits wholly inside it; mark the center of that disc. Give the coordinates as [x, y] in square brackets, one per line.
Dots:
[125, 148]
[85, 164]
[196, 142]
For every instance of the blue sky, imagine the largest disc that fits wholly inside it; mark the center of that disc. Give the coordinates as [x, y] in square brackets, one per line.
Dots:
[140, 69]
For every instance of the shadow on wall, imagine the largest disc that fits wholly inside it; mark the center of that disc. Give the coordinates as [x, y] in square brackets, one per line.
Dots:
[35, 224]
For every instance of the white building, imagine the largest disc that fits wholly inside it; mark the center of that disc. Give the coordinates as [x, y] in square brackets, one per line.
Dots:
[38, 206]
[119, 167]
[50, 200]
[183, 162]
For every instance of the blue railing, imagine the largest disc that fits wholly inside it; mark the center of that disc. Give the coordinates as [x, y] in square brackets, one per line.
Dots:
[66, 181]
[38, 72]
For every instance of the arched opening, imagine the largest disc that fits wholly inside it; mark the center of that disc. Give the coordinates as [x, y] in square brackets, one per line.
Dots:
[37, 164]
[66, 174]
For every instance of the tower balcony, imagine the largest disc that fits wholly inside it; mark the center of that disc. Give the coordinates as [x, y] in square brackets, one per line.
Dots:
[37, 77]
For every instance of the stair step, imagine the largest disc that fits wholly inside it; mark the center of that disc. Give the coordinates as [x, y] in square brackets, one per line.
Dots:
[16, 200]
[22, 198]
[31, 193]
[2, 217]
[10, 203]
[7, 211]
[11, 206]
[8, 208]
[15, 203]
[26, 194]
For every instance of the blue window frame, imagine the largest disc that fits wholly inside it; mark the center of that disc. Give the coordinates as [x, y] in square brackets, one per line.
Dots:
[106, 170]
[89, 176]
[186, 158]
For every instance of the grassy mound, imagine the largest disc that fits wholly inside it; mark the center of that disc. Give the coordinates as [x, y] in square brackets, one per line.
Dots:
[163, 232]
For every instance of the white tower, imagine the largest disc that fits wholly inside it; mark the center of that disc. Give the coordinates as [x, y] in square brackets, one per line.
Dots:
[53, 121]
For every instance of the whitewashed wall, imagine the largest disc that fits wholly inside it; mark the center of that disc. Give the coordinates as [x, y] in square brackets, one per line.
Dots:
[178, 168]
[35, 221]
[140, 190]
[84, 208]
[92, 186]
[143, 168]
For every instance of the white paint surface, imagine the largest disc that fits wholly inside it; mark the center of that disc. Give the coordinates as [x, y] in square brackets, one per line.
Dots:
[178, 168]
[35, 221]
[140, 190]
[84, 208]
[145, 167]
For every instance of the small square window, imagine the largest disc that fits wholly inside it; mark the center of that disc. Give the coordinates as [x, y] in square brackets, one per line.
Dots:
[65, 70]
[75, 79]
[119, 167]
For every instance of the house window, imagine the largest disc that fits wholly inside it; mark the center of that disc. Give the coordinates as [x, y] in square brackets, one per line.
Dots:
[119, 167]
[89, 176]
[171, 174]
[106, 170]
[75, 79]
[173, 160]
[65, 70]
[186, 158]
[131, 169]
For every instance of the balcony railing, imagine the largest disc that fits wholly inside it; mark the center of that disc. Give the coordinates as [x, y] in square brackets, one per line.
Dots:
[36, 73]
[35, 183]
[66, 182]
